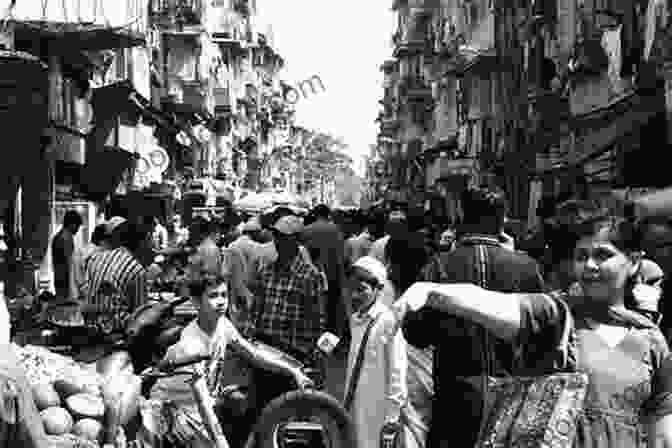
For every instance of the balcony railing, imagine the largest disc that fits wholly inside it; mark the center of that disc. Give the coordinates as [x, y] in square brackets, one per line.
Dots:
[415, 87]
[177, 13]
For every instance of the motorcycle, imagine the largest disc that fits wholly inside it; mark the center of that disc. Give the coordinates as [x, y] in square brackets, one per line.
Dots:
[242, 414]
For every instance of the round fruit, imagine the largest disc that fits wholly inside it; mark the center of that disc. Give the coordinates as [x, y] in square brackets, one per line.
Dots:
[89, 429]
[85, 406]
[45, 396]
[57, 421]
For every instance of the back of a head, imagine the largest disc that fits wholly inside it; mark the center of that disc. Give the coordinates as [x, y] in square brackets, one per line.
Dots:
[126, 235]
[484, 208]
[98, 235]
[416, 219]
[72, 218]
[201, 226]
[278, 213]
[322, 211]
[408, 252]
[378, 221]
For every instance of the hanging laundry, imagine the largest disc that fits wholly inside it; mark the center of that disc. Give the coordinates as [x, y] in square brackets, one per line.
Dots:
[611, 42]
[631, 38]
[656, 19]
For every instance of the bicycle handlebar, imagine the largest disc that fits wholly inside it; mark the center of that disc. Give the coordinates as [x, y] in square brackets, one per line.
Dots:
[170, 368]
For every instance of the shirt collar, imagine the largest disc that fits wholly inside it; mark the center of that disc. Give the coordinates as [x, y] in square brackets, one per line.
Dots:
[372, 313]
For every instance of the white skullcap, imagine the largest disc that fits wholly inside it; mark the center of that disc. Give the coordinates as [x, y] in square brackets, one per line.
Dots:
[374, 267]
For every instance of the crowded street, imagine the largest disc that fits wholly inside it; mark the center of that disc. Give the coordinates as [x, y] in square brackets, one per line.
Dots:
[242, 224]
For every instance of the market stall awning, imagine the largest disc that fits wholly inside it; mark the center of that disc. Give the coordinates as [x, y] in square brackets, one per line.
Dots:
[104, 170]
[69, 37]
[100, 175]
[121, 98]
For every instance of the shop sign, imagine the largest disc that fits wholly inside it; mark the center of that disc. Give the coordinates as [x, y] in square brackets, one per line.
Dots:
[67, 145]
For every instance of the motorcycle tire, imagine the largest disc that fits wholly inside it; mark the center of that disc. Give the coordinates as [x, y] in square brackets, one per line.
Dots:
[301, 402]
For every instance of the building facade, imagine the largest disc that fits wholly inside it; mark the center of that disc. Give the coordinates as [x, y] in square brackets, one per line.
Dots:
[128, 99]
[543, 99]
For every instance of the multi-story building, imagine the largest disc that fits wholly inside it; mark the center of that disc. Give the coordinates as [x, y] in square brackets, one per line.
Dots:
[541, 98]
[85, 140]
[185, 61]
[252, 116]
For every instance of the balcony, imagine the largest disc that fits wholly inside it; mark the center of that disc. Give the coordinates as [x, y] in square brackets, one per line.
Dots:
[415, 88]
[409, 45]
[449, 47]
[389, 67]
[389, 125]
[178, 14]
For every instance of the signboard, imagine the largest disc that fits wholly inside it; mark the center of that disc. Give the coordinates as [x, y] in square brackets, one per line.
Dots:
[67, 145]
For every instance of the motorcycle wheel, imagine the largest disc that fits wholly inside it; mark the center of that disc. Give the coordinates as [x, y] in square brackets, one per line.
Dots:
[303, 404]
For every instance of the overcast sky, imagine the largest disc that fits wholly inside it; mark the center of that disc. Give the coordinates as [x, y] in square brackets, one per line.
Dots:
[344, 43]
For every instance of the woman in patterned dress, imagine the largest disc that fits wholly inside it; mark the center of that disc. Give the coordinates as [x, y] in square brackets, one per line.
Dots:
[629, 399]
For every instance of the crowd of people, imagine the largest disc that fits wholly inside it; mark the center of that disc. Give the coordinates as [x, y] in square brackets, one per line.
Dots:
[419, 307]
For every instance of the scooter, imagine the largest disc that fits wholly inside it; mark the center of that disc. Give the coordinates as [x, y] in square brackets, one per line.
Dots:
[286, 417]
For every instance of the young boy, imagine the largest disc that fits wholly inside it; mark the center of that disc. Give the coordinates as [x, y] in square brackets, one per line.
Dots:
[379, 393]
[211, 333]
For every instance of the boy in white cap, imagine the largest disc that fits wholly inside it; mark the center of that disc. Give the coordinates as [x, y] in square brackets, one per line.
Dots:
[376, 388]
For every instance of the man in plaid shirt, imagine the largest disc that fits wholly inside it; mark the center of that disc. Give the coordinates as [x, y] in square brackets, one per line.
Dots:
[288, 311]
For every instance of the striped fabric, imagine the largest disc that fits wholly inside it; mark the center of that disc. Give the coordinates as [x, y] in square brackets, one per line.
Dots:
[125, 287]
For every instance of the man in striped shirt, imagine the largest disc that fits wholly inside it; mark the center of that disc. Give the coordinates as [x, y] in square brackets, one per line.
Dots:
[115, 280]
